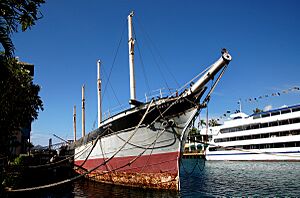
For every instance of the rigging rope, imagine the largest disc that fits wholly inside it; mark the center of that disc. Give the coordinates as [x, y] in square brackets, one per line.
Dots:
[156, 49]
[113, 63]
[106, 161]
[189, 82]
[91, 170]
[155, 60]
[142, 62]
[55, 164]
[108, 82]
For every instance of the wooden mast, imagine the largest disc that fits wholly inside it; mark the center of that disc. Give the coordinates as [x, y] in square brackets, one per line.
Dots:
[83, 111]
[131, 59]
[99, 94]
[74, 122]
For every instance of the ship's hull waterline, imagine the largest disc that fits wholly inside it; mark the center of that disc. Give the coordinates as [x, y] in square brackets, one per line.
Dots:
[143, 156]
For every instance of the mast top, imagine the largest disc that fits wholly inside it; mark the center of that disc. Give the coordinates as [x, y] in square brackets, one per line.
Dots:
[131, 14]
[131, 59]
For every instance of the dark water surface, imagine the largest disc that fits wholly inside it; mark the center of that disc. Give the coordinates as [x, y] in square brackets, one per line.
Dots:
[242, 179]
[201, 178]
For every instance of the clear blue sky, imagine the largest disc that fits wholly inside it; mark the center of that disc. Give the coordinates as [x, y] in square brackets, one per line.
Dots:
[262, 37]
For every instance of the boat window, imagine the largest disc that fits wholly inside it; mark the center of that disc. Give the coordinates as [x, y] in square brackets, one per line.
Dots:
[212, 149]
[273, 123]
[295, 109]
[247, 127]
[265, 115]
[256, 116]
[290, 144]
[240, 138]
[285, 133]
[232, 139]
[247, 137]
[295, 120]
[224, 130]
[278, 145]
[285, 111]
[257, 136]
[283, 122]
[263, 125]
[254, 126]
[265, 135]
[273, 134]
[275, 113]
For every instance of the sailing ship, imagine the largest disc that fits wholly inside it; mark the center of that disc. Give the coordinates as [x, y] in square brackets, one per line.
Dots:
[142, 146]
[266, 136]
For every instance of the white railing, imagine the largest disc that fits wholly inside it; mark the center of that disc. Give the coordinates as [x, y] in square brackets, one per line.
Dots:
[158, 93]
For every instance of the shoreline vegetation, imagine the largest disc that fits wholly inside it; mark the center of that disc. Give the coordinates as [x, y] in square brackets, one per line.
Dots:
[20, 102]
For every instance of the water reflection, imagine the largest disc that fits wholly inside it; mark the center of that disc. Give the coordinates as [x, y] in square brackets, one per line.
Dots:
[199, 178]
[93, 189]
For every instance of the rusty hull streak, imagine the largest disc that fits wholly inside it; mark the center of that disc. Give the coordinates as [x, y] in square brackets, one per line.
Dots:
[142, 180]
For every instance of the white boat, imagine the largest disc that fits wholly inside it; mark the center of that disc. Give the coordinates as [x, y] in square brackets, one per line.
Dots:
[266, 136]
[142, 146]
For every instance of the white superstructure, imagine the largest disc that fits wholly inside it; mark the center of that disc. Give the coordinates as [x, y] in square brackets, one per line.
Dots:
[270, 135]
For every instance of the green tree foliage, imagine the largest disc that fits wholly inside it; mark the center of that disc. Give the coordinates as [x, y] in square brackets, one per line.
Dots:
[213, 122]
[193, 131]
[19, 100]
[257, 110]
[14, 13]
[202, 123]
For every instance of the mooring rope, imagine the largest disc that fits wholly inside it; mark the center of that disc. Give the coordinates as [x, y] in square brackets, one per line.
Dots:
[81, 175]
[135, 158]
[55, 164]
[106, 161]
[142, 147]
[91, 170]
[94, 144]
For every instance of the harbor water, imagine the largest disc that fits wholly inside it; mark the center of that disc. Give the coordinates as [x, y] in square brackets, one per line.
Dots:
[201, 178]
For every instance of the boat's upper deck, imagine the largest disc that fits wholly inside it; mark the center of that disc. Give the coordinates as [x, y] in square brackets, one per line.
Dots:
[241, 122]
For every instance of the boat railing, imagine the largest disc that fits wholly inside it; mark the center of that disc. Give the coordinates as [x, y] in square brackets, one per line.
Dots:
[115, 110]
[158, 93]
[155, 94]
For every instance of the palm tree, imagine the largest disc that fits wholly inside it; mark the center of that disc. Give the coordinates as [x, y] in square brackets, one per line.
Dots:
[193, 131]
[202, 123]
[213, 122]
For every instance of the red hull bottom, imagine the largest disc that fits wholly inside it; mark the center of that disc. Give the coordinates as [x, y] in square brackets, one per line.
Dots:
[148, 171]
